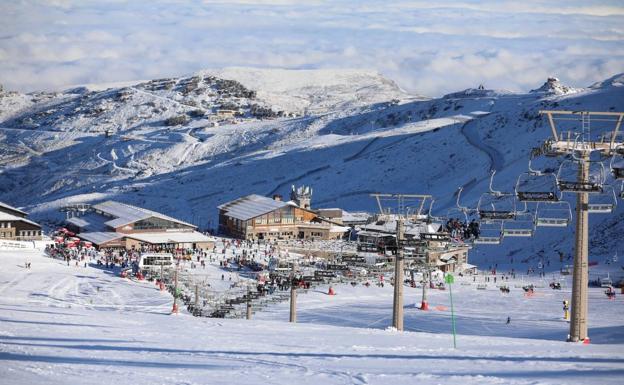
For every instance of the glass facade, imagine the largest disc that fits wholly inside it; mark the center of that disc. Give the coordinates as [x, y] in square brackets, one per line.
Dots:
[157, 224]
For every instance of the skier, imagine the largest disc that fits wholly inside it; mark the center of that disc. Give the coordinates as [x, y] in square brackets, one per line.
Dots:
[508, 320]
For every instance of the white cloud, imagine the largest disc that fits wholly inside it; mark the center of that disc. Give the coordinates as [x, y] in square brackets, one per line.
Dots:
[429, 48]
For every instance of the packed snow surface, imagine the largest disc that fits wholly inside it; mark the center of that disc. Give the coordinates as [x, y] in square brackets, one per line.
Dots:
[74, 325]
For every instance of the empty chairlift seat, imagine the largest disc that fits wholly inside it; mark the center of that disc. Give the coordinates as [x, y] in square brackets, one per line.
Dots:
[603, 203]
[496, 206]
[557, 214]
[567, 177]
[522, 225]
[537, 187]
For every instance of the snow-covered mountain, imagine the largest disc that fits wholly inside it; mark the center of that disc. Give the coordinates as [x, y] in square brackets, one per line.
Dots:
[183, 146]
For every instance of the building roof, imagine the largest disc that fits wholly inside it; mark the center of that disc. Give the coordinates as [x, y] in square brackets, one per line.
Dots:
[10, 217]
[339, 229]
[78, 222]
[90, 222]
[359, 216]
[11, 208]
[171, 237]
[99, 237]
[125, 214]
[252, 206]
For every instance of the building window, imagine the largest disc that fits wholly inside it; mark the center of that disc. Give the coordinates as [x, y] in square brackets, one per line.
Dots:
[157, 223]
[287, 215]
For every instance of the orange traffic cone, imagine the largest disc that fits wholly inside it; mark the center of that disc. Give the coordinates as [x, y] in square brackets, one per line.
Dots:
[331, 291]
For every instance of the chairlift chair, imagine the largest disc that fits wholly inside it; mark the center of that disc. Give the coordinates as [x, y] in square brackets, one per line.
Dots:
[490, 232]
[567, 177]
[496, 205]
[617, 163]
[603, 203]
[523, 225]
[553, 214]
[537, 186]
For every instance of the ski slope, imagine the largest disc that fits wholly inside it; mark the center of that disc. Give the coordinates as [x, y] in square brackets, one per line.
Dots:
[73, 325]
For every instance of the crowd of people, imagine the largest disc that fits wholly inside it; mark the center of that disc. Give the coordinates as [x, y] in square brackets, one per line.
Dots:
[461, 230]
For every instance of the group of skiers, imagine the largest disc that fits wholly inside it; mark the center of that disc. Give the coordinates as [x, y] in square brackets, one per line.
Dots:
[461, 230]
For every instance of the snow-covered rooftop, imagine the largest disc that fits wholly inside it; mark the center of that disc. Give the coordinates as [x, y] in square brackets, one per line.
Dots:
[99, 237]
[251, 206]
[171, 237]
[125, 214]
[9, 217]
[9, 207]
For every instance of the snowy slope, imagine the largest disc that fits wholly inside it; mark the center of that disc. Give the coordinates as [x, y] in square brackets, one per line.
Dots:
[359, 134]
[73, 325]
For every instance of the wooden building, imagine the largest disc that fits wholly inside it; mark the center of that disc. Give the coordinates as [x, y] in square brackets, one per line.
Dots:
[15, 226]
[258, 217]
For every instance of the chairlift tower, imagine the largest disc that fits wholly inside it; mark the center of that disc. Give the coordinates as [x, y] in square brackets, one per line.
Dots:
[580, 145]
[399, 262]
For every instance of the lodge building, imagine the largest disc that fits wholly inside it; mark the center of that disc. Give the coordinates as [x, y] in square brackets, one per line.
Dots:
[15, 226]
[258, 217]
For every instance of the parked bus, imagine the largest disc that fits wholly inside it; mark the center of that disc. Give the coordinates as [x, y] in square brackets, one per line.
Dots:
[151, 261]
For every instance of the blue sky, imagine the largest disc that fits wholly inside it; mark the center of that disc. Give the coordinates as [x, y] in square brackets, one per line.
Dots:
[429, 48]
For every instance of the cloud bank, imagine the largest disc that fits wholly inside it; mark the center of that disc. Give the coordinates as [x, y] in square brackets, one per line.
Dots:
[427, 47]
